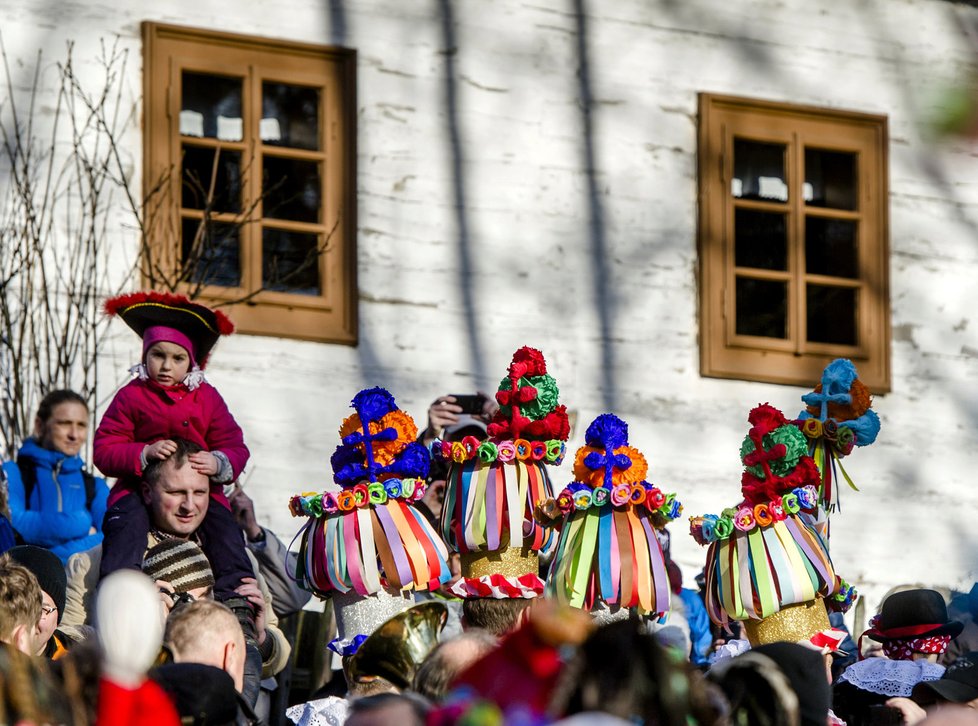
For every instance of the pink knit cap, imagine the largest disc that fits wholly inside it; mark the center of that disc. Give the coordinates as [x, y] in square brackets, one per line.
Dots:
[162, 333]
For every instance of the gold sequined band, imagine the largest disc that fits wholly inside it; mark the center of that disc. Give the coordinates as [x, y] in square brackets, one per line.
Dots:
[511, 562]
[790, 624]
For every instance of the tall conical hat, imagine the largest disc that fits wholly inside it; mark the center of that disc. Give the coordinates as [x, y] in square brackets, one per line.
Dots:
[492, 485]
[608, 551]
[369, 536]
[766, 564]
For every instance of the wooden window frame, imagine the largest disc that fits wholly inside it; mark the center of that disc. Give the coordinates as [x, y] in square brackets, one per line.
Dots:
[330, 316]
[724, 353]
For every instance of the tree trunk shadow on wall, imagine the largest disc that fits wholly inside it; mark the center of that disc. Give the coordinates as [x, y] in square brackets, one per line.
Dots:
[596, 232]
[467, 278]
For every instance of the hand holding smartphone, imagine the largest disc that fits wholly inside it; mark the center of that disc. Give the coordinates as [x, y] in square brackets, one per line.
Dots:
[471, 404]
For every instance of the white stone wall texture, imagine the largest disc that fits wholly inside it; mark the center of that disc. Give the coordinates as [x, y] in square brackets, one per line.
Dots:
[497, 208]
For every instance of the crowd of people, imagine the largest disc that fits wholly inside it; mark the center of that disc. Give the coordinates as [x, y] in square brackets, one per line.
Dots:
[463, 582]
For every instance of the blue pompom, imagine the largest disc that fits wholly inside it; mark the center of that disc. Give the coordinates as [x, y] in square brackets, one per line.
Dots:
[372, 403]
[866, 428]
[594, 460]
[350, 474]
[607, 431]
[413, 461]
[345, 455]
[352, 439]
[838, 376]
[622, 462]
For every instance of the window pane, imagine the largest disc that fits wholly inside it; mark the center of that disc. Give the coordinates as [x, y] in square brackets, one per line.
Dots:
[830, 247]
[198, 168]
[290, 261]
[831, 314]
[830, 179]
[760, 240]
[759, 171]
[211, 106]
[289, 115]
[762, 307]
[291, 189]
[215, 257]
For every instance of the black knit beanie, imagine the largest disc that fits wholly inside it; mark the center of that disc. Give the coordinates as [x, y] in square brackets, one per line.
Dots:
[805, 670]
[47, 568]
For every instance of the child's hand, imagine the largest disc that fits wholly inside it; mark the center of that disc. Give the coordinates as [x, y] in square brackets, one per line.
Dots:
[204, 462]
[161, 450]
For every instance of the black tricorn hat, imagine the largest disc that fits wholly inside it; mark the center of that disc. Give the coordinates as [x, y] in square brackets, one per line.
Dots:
[143, 310]
[913, 614]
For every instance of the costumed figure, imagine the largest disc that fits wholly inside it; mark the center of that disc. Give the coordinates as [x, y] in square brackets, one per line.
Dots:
[492, 485]
[767, 565]
[837, 418]
[607, 551]
[914, 629]
[367, 543]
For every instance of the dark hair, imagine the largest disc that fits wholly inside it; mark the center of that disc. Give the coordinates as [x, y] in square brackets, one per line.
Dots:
[623, 670]
[495, 616]
[56, 398]
[441, 667]
[419, 706]
[758, 691]
[154, 470]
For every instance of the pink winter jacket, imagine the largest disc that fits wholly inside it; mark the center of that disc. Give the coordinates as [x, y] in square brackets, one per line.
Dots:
[143, 412]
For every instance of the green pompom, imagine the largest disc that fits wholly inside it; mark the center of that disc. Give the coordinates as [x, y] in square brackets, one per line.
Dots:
[795, 444]
[546, 400]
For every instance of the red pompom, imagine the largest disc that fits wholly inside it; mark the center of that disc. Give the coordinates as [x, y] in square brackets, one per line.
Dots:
[766, 418]
[805, 473]
[526, 394]
[532, 360]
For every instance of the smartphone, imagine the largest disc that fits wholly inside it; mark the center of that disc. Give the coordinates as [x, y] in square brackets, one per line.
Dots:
[470, 403]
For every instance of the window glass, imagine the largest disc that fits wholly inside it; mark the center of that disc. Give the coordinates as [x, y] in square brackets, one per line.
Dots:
[210, 106]
[289, 115]
[290, 262]
[830, 179]
[759, 171]
[830, 247]
[199, 167]
[211, 253]
[291, 189]
[762, 308]
[760, 240]
[831, 313]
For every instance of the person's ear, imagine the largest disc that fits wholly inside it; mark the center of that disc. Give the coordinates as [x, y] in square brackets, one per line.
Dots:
[22, 639]
[145, 491]
[38, 428]
[227, 659]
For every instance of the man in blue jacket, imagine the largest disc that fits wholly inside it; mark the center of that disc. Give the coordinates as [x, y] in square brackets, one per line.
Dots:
[54, 502]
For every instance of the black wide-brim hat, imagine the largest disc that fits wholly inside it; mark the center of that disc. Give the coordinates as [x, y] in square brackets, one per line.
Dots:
[913, 614]
[142, 310]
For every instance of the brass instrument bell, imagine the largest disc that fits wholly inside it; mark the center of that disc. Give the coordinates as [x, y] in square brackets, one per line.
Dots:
[395, 650]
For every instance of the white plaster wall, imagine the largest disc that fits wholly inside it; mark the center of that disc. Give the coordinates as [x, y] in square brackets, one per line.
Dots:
[517, 134]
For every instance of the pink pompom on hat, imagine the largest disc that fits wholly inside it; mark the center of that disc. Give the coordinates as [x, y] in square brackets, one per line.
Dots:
[162, 316]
